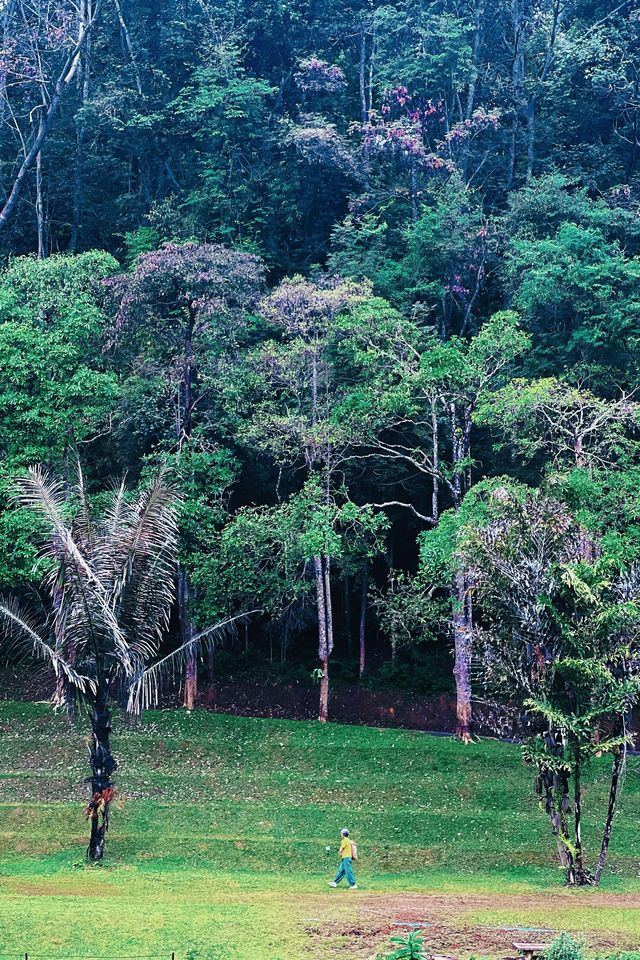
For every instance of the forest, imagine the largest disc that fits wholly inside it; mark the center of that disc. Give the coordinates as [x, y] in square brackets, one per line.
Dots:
[319, 359]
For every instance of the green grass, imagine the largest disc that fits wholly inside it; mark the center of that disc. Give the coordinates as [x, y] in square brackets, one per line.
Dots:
[217, 843]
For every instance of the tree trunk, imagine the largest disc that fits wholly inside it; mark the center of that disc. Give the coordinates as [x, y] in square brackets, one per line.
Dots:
[41, 218]
[328, 604]
[64, 79]
[361, 74]
[325, 631]
[473, 82]
[323, 708]
[511, 156]
[566, 856]
[346, 613]
[77, 187]
[40, 214]
[577, 814]
[532, 102]
[184, 585]
[190, 679]
[631, 165]
[519, 26]
[372, 58]
[363, 620]
[531, 135]
[126, 36]
[414, 191]
[324, 691]
[554, 817]
[462, 653]
[211, 675]
[188, 377]
[435, 493]
[457, 455]
[186, 634]
[85, 18]
[102, 766]
[616, 773]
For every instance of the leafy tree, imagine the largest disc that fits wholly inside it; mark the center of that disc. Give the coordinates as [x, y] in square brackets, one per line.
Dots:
[295, 421]
[335, 529]
[409, 611]
[56, 388]
[448, 259]
[192, 303]
[567, 423]
[557, 652]
[225, 111]
[254, 559]
[571, 267]
[415, 409]
[203, 474]
[439, 267]
[268, 556]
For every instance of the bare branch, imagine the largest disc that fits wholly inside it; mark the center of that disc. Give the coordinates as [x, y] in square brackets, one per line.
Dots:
[64, 79]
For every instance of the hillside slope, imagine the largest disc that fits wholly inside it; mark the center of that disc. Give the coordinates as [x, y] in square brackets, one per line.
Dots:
[218, 842]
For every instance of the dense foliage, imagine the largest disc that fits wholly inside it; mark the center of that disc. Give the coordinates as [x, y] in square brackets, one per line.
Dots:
[364, 279]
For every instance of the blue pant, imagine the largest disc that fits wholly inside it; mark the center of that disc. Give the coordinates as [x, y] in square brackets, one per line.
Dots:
[346, 870]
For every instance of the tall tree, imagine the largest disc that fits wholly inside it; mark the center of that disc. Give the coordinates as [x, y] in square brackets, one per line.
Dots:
[557, 653]
[296, 419]
[414, 409]
[194, 301]
[41, 47]
[109, 588]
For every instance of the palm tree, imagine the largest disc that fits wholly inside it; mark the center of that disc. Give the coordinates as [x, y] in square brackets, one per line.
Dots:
[109, 581]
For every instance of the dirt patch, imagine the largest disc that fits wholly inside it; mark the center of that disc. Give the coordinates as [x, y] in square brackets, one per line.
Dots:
[57, 889]
[284, 700]
[296, 700]
[449, 926]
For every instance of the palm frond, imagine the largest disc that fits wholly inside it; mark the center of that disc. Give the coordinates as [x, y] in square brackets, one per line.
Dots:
[83, 526]
[113, 519]
[145, 548]
[115, 510]
[94, 619]
[25, 633]
[145, 689]
[111, 581]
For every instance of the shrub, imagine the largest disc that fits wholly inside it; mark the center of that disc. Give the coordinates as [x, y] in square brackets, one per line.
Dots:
[564, 947]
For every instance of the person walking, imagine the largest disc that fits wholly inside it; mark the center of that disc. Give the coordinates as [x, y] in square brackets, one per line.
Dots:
[348, 853]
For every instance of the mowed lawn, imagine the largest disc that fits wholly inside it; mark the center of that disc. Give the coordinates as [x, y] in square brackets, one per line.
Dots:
[217, 847]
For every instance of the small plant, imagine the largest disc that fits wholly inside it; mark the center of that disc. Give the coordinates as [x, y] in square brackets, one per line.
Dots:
[410, 947]
[564, 947]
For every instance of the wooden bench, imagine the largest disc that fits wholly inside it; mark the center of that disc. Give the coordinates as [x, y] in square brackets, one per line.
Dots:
[530, 951]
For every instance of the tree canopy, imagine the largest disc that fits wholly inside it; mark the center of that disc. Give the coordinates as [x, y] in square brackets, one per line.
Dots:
[361, 280]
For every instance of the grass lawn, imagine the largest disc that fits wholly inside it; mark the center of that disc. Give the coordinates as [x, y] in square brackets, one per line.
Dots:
[218, 840]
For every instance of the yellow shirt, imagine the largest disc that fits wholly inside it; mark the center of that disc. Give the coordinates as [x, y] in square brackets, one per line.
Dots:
[345, 848]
